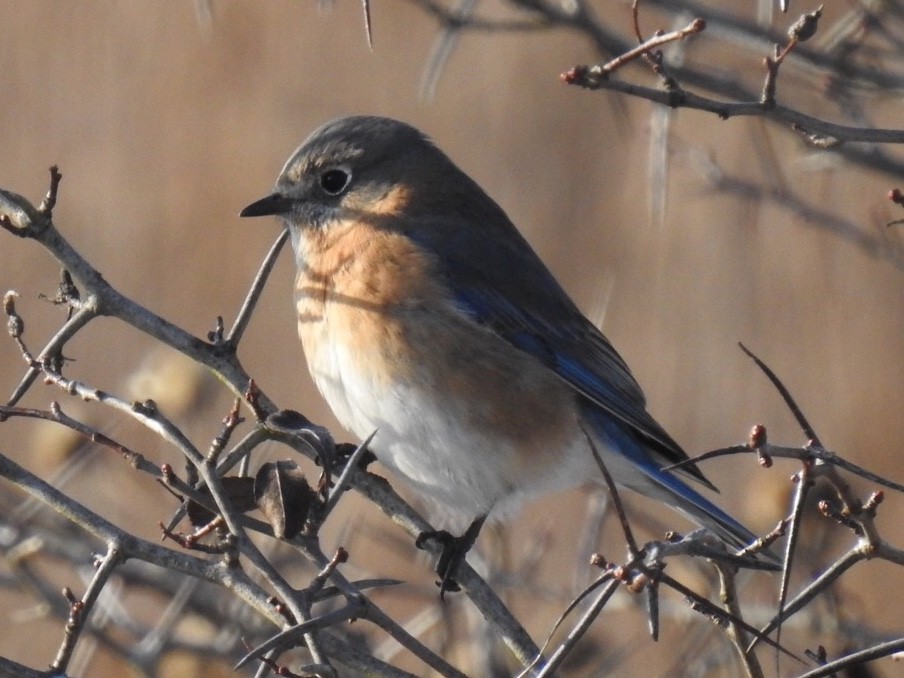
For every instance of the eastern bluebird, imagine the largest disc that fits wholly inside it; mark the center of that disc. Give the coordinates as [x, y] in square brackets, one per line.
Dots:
[425, 316]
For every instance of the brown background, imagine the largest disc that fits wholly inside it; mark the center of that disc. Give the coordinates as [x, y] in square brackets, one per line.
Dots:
[166, 124]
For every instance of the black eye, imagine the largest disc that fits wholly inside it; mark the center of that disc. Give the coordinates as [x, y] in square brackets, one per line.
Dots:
[334, 181]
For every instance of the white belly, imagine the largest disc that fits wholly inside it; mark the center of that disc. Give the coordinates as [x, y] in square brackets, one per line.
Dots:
[473, 424]
[472, 447]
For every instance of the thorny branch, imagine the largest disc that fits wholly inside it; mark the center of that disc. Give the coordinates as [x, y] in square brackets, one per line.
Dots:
[855, 515]
[18, 217]
[725, 96]
[293, 611]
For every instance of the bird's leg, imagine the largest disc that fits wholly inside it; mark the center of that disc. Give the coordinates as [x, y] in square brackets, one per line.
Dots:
[455, 549]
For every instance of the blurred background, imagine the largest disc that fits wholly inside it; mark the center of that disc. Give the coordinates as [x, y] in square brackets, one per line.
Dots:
[167, 118]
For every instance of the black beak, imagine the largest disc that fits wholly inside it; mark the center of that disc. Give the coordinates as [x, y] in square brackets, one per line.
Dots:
[273, 204]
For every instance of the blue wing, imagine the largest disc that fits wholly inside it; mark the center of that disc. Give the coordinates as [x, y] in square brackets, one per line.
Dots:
[497, 280]
[532, 312]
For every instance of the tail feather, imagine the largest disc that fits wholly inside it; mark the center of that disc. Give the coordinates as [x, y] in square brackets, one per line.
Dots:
[631, 465]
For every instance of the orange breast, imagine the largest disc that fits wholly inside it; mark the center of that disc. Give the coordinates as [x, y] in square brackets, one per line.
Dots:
[361, 286]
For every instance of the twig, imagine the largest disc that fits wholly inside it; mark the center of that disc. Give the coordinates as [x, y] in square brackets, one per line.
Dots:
[444, 45]
[820, 584]
[133, 547]
[856, 659]
[350, 466]
[50, 199]
[80, 609]
[368, 26]
[658, 40]
[19, 217]
[584, 76]
[257, 287]
[808, 430]
[578, 632]
[633, 550]
[728, 593]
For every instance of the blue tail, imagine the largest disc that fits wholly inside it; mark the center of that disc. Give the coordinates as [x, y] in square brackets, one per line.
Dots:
[632, 462]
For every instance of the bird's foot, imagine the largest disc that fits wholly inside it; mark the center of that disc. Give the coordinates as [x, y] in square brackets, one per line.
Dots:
[454, 551]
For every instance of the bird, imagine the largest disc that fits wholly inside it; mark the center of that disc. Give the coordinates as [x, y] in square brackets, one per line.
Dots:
[426, 317]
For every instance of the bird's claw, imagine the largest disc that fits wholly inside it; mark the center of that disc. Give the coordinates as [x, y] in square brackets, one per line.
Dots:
[453, 554]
